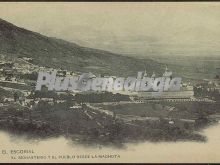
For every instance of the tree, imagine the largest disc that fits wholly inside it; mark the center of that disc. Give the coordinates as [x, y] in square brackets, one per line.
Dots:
[16, 96]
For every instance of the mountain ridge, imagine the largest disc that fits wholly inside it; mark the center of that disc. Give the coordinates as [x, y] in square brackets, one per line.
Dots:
[57, 53]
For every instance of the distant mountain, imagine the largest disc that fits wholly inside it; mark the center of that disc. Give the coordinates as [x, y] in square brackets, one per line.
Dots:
[57, 53]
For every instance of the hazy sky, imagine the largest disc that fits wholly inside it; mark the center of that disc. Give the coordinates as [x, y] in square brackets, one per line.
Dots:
[135, 28]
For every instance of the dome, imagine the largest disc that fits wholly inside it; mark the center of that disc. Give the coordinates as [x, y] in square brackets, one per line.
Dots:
[153, 75]
[167, 73]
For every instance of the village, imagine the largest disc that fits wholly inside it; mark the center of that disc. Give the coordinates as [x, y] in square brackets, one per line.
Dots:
[93, 114]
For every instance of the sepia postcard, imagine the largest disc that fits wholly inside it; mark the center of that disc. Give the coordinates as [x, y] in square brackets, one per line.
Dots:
[109, 82]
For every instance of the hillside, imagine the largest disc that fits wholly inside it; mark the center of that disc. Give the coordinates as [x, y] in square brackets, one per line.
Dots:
[57, 53]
